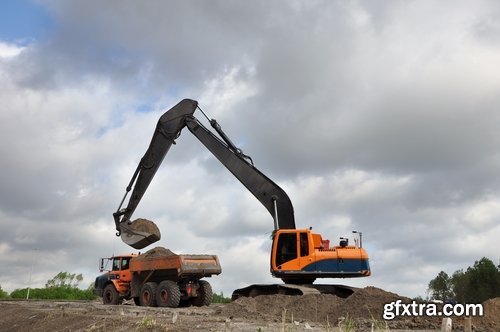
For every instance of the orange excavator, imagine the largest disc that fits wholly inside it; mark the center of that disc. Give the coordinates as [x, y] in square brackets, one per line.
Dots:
[298, 256]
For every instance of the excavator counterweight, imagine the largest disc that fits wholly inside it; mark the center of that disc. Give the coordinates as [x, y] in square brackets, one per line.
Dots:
[298, 256]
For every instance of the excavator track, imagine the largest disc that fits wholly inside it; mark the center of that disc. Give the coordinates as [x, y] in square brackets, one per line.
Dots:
[294, 290]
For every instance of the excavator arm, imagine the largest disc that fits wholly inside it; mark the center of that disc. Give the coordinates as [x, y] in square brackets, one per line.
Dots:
[141, 233]
[269, 194]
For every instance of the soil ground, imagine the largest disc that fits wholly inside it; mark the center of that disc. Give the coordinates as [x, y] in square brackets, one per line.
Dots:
[362, 311]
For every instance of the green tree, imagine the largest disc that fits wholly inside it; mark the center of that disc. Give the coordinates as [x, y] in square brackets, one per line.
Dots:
[474, 285]
[64, 286]
[441, 287]
[65, 279]
[3, 294]
[460, 284]
[483, 281]
[219, 298]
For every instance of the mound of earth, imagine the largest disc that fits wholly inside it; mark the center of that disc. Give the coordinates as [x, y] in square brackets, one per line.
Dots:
[156, 252]
[263, 313]
[491, 319]
[364, 308]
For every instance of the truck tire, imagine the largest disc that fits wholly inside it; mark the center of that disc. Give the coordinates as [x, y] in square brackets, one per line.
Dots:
[148, 294]
[110, 295]
[168, 294]
[204, 294]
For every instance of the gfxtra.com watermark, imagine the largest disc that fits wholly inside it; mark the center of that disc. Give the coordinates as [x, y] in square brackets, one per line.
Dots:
[414, 309]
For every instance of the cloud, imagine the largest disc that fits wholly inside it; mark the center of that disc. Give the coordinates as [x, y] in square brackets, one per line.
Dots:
[9, 50]
[369, 119]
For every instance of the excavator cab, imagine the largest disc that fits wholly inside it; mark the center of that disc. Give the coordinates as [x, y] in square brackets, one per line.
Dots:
[299, 256]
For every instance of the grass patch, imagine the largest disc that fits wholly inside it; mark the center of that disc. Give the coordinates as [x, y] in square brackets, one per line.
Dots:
[346, 324]
[149, 324]
[54, 293]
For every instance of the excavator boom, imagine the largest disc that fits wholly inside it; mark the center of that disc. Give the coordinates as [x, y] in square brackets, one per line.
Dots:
[269, 194]
[141, 233]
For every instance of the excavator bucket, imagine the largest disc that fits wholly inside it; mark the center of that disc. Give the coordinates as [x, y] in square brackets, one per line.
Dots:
[139, 233]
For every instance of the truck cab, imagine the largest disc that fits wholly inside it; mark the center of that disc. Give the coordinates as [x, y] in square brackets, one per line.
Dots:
[117, 273]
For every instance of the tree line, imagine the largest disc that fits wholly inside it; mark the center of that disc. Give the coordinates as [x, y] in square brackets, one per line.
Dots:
[64, 286]
[477, 284]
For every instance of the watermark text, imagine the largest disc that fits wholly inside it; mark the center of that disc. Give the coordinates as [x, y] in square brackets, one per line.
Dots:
[414, 309]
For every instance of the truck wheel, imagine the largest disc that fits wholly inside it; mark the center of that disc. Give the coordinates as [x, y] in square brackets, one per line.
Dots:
[148, 294]
[110, 295]
[168, 294]
[204, 294]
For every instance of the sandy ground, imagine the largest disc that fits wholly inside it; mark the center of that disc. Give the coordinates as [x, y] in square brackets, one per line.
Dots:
[361, 312]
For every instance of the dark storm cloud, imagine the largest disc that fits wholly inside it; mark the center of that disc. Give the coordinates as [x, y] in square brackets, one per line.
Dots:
[155, 47]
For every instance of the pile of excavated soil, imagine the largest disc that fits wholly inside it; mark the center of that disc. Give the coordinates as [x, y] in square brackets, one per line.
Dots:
[315, 307]
[364, 308]
[491, 319]
[263, 313]
[364, 302]
[156, 252]
[369, 302]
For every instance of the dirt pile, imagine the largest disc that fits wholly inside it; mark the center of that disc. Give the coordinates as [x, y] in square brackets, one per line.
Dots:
[491, 319]
[365, 302]
[364, 308]
[156, 252]
[262, 313]
[315, 307]
[364, 305]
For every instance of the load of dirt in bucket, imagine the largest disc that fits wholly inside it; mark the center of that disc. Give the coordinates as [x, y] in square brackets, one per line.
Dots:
[139, 233]
[146, 226]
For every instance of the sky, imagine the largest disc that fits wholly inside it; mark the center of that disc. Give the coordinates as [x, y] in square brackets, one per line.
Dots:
[376, 116]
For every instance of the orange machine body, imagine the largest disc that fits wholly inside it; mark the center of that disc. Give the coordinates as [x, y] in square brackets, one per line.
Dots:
[120, 274]
[301, 255]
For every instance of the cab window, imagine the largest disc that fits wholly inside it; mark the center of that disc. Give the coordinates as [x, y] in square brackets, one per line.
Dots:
[287, 248]
[116, 264]
[125, 263]
[304, 245]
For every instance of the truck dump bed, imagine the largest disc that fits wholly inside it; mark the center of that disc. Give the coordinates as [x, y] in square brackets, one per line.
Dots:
[163, 262]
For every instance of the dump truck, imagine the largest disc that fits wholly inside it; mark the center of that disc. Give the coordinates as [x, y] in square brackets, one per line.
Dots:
[157, 278]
